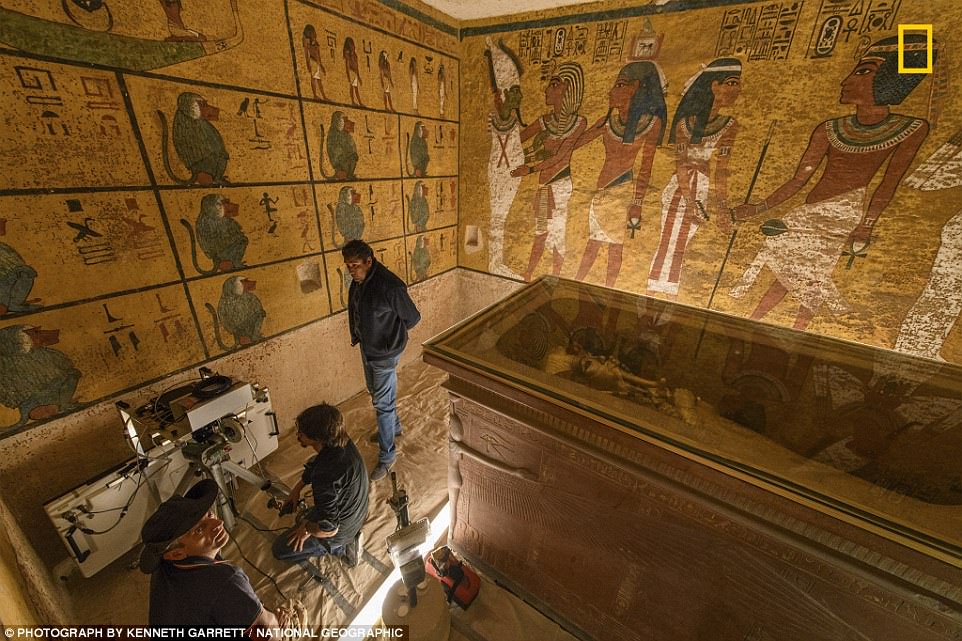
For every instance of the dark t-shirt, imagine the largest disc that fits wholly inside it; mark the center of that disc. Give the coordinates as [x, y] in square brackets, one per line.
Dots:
[202, 592]
[338, 479]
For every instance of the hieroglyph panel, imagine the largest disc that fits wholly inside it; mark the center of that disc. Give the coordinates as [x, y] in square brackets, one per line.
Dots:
[71, 247]
[431, 253]
[430, 147]
[58, 360]
[223, 229]
[57, 120]
[367, 210]
[197, 135]
[430, 203]
[247, 306]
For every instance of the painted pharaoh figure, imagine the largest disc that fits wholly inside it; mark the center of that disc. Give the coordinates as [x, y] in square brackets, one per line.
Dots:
[504, 125]
[553, 137]
[700, 134]
[635, 121]
[834, 216]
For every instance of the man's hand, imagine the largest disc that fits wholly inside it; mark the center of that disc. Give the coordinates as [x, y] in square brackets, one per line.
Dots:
[860, 236]
[298, 537]
[523, 170]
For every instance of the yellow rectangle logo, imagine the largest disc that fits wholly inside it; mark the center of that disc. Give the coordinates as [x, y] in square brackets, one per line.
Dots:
[927, 28]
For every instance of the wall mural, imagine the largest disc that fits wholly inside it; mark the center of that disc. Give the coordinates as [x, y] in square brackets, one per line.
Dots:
[179, 177]
[768, 160]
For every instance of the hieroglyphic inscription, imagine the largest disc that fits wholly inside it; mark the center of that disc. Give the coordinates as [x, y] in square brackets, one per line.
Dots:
[609, 41]
[759, 32]
[841, 20]
[541, 46]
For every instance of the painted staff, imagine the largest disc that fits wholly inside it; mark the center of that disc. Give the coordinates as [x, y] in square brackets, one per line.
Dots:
[731, 241]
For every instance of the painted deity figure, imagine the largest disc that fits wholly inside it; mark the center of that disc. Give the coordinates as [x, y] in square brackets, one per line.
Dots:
[312, 55]
[353, 71]
[700, 134]
[635, 121]
[504, 125]
[413, 75]
[553, 137]
[442, 90]
[387, 82]
[834, 216]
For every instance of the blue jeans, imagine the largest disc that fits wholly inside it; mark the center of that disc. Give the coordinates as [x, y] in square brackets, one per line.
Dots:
[381, 379]
[313, 546]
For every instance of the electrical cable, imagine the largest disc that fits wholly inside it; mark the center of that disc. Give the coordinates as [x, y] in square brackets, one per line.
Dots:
[260, 529]
[251, 563]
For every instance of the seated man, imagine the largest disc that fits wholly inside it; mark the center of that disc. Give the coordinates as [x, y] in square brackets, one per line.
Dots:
[340, 485]
[189, 584]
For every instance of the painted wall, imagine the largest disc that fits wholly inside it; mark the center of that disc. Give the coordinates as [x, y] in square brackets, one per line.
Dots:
[178, 177]
[611, 143]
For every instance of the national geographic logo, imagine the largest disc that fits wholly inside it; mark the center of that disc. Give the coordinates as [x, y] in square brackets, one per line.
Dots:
[915, 28]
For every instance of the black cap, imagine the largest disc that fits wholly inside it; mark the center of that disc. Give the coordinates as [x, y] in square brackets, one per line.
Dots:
[173, 519]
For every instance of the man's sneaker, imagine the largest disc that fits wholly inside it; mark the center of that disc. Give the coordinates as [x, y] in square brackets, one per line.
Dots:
[375, 436]
[353, 550]
[381, 471]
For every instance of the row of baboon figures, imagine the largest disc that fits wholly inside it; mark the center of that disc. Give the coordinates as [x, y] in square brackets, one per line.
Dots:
[200, 146]
[39, 380]
[801, 247]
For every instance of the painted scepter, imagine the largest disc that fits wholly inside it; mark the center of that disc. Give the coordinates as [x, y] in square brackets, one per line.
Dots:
[748, 197]
[731, 240]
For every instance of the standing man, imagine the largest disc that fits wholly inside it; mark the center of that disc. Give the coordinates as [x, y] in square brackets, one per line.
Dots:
[339, 483]
[190, 585]
[380, 313]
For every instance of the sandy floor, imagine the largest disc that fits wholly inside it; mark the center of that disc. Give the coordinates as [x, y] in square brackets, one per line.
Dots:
[331, 593]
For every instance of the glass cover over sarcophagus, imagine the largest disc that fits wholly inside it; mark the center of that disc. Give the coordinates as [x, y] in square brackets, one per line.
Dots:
[867, 435]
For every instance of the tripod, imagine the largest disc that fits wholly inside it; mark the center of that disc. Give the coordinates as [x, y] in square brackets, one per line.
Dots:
[210, 458]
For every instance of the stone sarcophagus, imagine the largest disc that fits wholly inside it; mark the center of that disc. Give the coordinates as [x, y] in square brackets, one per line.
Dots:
[643, 470]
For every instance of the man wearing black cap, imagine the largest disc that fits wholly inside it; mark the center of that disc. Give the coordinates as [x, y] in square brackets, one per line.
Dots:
[189, 584]
[380, 314]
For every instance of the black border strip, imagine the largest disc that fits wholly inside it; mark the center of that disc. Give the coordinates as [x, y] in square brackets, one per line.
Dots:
[674, 6]
[411, 12]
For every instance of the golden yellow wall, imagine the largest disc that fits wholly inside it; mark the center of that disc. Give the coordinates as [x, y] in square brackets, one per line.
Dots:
[106, 171]
[904, 292]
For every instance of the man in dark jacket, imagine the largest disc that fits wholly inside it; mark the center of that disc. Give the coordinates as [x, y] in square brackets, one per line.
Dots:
[380, 313]
[339, 482]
